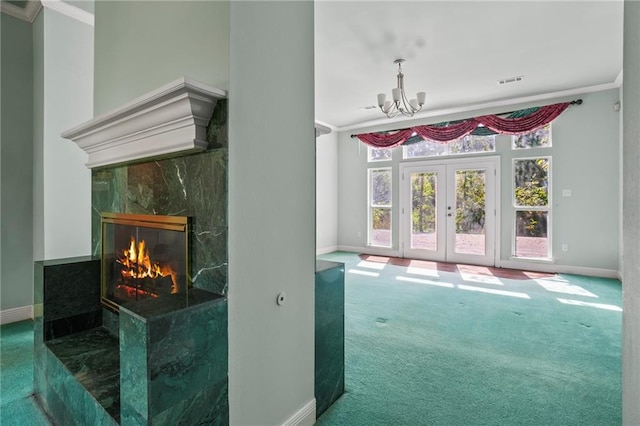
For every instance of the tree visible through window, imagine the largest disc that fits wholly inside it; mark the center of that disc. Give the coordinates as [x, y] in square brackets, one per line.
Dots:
[540, 138]
[532, 207]
[380, 207]
[469, 144]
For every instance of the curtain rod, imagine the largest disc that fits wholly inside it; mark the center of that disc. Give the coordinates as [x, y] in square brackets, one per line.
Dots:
[574, 102]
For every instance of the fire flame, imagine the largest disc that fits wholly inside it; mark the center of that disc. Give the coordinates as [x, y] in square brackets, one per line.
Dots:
[138, 264]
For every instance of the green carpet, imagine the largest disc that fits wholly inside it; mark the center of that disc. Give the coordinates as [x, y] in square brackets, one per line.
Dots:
[17, 405]
[427, 347]
[439, 351]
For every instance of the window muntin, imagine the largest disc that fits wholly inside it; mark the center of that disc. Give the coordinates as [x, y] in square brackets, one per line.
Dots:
[379, 154]
[380, 195]
[470, 144]
[532, 207]
[540, 138]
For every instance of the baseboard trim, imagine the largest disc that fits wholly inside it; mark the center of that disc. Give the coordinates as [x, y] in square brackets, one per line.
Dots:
[16, 314]
[305, 416]
[559, 269]
[378, 251]
[326, 250]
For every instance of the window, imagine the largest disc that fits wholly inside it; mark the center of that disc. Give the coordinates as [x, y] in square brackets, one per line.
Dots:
[379, 154]
[380, 207]
[540, 138]
[469, 144]
[532, 207]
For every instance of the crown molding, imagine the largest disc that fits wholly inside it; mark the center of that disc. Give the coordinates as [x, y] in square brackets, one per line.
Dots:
[168, 120]
[28, 14]
[70, 11]
[619, 80]
[322, 129]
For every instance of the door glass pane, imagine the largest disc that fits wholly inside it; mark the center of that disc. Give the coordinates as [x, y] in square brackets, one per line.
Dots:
[531, 234]
[423, 210]
[470, 212]
[381, 227]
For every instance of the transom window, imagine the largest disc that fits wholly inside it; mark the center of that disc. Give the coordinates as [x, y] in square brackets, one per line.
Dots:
[379, 154]
[470, 144]
[540, 138]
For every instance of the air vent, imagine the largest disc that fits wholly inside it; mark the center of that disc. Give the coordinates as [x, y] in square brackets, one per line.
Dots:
[511, 80]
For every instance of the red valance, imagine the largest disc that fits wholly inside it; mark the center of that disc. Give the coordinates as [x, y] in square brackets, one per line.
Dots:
[509, 126]
[516, 126]
[447, 133]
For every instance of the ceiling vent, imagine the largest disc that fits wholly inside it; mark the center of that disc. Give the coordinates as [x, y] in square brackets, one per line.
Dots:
[511, 80]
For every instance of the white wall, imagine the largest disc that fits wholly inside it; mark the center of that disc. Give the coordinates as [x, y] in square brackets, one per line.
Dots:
[16, 167]
[143, 45]
[327, 193]
[271, 212]
[585, 159]
[631, 218]
[62, 190]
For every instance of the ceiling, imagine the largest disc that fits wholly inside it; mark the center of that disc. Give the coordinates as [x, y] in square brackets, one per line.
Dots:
[457, 51]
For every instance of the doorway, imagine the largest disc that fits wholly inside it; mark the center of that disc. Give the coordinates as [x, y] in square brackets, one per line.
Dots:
[448, 210]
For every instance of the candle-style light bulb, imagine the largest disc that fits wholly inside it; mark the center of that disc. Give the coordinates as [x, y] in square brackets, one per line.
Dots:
[396, 94]
[422, 96]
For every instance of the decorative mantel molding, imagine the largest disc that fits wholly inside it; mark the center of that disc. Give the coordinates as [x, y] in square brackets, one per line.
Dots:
[167, 120]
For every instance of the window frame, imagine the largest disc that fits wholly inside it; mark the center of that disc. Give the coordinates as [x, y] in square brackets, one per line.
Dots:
[371, 206]
[548, 209]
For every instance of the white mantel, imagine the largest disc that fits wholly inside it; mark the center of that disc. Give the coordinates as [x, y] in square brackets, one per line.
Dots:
[167, 120]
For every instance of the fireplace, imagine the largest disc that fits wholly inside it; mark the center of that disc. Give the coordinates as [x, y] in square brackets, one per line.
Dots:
[144, 258]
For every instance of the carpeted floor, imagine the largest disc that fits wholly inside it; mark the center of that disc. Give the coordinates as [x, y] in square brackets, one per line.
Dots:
[440, 344]
[17, 406]
[435, 344]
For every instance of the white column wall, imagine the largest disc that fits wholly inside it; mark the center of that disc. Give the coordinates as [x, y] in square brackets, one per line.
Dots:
[631, 218]
[327, 193]
[271, 213]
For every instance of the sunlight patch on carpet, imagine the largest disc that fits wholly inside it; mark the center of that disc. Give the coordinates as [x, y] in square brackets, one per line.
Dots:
[591, 305]
[422, 281]
[367, 273]
[423, 272]
[371, 265]
[484, 279]
[492, 291]
[559, 285]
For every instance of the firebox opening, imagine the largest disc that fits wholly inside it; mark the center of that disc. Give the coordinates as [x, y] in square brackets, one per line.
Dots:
[143, 257]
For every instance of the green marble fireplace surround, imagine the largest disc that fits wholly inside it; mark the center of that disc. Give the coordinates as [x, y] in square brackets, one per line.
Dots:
[159, 361]
[329, 334]
[192, 185]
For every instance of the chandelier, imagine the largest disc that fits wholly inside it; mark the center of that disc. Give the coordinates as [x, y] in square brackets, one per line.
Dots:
[400, 104]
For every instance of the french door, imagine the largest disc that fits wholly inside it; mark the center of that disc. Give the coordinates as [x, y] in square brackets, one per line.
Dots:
[448, 210]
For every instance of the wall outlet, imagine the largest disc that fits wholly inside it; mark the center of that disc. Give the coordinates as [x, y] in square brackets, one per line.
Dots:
[359, 234]
[566, 193]
[565, 247]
